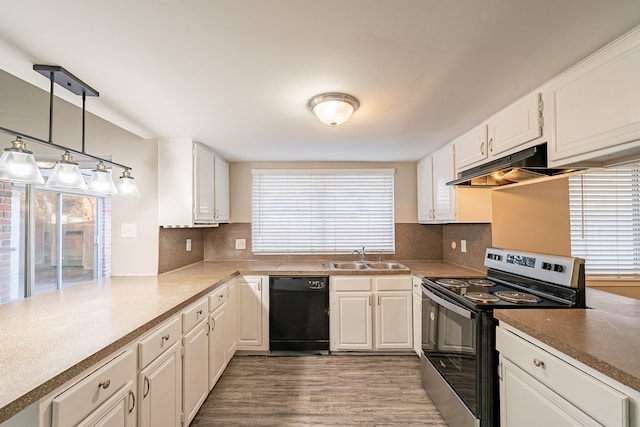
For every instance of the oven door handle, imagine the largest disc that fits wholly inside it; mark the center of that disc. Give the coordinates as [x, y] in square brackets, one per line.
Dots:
[446, 304]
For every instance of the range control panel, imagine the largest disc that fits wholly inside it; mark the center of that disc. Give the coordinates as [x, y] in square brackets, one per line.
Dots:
[549, 268]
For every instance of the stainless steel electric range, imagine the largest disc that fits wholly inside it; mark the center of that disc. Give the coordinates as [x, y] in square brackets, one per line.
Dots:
[459, 359]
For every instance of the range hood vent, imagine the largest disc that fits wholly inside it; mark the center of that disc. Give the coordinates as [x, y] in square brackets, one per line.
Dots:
[514, 168]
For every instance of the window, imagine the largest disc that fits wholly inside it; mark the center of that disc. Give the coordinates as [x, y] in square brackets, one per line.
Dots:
[605, 220]
[66, 239]
[322, 211]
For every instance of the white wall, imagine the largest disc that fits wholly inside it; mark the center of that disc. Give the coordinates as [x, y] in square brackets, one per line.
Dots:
[25, 108]
[406, 204]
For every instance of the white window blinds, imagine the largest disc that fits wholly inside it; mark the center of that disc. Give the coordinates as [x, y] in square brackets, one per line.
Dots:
[322, 211]
[605, 220]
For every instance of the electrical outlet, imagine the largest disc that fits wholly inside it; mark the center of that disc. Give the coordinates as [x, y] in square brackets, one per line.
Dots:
[463, 245]
[241, 244]
[188, 245]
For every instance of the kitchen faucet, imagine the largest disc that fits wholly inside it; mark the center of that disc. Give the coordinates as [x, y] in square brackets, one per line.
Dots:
[360, 253]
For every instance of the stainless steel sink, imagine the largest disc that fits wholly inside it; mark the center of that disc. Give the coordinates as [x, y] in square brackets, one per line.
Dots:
[348, 265]
[386, 265]
[357, 265]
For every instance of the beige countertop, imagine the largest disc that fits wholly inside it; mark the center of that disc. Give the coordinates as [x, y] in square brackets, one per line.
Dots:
[49, 339]
[605, 337]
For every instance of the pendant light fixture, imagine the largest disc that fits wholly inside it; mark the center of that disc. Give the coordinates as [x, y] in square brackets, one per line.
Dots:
[101, 182]
[127, 186]
[333, 108]
[17, 164]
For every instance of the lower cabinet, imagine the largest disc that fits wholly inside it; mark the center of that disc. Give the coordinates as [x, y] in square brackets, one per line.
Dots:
[371, 313]
[253, 313]
[195, 362]
[231, 321]
[538, 387]
[103, 398]
[217, 347]
[417, 315]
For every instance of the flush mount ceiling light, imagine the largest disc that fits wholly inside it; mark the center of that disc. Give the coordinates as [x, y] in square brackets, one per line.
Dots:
[333, 108]
[17, 163]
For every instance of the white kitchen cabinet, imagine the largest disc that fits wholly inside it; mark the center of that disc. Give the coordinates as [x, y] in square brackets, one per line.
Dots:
[436, 200]
[539, 387]
[441, 203]
[217, 349]
[195, 362]
[231, 329]
[253, 314]
[371, 313]
[160, 376]
[596, 107]
[417, 314]
[105, 397]
[188, 183]
[160, 389]
[471, 148]
[221, 190]
[519, 125]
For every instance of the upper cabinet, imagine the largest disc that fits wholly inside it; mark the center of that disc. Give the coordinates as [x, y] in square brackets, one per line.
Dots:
[193, 185]
[442, 203]
[596, 107]
[518, 126]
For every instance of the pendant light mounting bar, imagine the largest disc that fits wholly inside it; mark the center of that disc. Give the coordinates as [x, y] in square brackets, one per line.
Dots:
[66, 79]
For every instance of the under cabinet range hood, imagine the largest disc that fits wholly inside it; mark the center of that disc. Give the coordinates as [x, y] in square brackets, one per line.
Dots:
[524, 165]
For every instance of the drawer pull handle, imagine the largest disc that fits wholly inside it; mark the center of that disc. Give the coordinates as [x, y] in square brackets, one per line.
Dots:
[199, 312]
[133, 403]
[166, 337]
[538, 363]
[104, 384]
[146, 387]
[220, 296]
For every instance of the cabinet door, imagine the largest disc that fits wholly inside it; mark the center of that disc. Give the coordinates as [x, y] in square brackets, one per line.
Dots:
[115, 412]
[231, 328]
[517, 124]
[393, 320]
[471, 148]
[443, 195]
[596, 105]
[425, 191]
[417, 323]
[221, 193]
[195, 378]
[159, 390]
[203, 179]
[250, 322]
[524, 402]
[217, 350]
[353, 322]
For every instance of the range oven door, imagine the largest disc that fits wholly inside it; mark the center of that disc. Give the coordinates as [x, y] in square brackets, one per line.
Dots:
[449, 346]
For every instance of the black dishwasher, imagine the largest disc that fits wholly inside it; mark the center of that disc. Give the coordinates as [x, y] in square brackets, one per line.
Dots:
[298, 314]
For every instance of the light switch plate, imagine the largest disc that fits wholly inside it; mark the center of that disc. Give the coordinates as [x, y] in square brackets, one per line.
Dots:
[188, 245]
[463, 245]
[128, 231]
[241, 244]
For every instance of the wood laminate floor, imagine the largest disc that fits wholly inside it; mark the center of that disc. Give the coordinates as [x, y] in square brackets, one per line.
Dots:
[319, 390]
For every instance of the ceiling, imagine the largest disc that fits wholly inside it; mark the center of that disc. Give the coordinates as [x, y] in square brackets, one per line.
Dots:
[237, 74]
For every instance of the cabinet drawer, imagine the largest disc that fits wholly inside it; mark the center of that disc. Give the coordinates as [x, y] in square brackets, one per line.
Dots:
[393, 283]
[605, 404]
[217, 298]
[351, 283]
[74, 404]
[158, 341]
[194, 314]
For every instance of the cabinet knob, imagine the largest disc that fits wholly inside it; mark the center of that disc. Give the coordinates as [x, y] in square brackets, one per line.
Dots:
[104, 384]
[165, 338]
[199, 312]
[538, 363]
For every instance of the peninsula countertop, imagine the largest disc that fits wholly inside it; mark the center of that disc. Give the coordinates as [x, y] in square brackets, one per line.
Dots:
[50, 338]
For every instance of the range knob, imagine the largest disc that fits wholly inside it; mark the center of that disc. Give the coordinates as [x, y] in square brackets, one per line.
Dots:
[559, 268]
[546, 266]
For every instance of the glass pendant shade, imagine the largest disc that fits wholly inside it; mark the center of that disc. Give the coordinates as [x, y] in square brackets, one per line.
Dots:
[127, 185]
[333, 108]
[101, 182]
[17, 164]
[66, 175]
